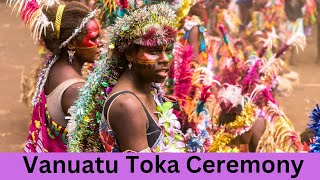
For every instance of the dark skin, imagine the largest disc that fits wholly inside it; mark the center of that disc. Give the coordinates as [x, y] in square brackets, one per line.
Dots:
[193, 40]
[223, 4]
[126, 115]
[257, 130]
[249, 141]
[86, 50]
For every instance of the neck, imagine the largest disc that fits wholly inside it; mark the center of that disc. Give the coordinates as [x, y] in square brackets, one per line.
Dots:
[77, 65]
[140, 84]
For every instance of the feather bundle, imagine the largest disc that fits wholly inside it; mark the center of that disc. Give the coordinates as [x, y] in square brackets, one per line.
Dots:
[183, 74]
[298, 40]
[252, 78]
[31, 13]
[268, 42]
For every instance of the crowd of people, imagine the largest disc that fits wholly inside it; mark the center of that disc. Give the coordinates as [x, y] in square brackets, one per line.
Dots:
[166, 75]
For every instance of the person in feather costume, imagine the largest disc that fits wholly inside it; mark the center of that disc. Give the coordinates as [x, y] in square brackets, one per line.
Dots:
[71, 33]
[248, 117]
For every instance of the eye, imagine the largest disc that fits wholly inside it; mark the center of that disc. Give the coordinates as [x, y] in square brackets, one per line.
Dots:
[94, 38]
[154, 52]
[169, 51]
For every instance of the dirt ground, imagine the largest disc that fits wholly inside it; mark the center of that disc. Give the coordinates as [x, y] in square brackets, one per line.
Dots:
[18, 53]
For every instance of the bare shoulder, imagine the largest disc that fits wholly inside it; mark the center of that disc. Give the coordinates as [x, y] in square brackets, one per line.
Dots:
[194, 33]
[257, 130]
[259, 125]
[194, 30]
[126, 109]
[129, 122]
[70, 95]
[58, 74]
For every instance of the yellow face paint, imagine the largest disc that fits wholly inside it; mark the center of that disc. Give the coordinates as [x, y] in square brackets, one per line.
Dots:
[154, 55]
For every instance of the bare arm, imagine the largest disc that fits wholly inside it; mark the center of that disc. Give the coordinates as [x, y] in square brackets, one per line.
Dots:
[69, 96]
[257, 129]
[193, 40]
[128, 120]
[244, 141]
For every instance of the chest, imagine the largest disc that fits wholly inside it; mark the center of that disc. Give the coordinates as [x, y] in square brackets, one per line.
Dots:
[151, 107]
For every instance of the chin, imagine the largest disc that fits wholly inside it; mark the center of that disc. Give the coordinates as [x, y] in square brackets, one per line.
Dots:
[159, 80]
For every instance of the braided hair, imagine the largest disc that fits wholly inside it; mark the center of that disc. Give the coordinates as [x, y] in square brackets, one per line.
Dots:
[72, 17]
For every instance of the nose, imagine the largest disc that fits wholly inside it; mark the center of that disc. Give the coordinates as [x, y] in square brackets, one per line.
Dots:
[165, 58]
[100, 44]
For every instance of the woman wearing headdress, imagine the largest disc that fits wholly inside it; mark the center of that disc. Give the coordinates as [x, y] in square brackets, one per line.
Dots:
[134, 115]
[71, 33]
[29, 80]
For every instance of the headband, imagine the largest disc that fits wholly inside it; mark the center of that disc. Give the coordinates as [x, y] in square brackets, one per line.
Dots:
[57, 22]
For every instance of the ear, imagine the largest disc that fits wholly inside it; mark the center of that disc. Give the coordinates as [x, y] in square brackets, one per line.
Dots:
[130, 55]
[72, 45]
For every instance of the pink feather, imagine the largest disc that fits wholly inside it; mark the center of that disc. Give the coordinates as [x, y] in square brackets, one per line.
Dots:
[205, 94]
[28, 11]
[249, 82]
[152, 36]
[262, 98]
[229, 75]
[123, 3]
[183, 74]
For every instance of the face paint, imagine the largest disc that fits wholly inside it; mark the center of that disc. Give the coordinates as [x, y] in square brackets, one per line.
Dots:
[91, 39]
[170, 56]
[150, 58]
[147, 59]
[169, 52]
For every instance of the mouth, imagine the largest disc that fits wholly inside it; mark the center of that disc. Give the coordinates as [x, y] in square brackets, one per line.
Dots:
[98, 53]
[163, 72]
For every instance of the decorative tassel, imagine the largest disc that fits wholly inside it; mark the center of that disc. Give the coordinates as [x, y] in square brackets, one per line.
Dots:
[203, 47]
[226, 39]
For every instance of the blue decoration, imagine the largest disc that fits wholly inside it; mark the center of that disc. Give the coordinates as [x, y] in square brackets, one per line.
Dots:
[193, 144]
[186, 35]
[315, 126]
[200, 107]
[121, 12]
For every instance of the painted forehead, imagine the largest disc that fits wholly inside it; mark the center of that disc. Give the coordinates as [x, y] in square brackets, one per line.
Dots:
[93, 27]
[91, 37]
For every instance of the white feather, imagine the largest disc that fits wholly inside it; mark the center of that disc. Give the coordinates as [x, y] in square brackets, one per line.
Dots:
[272, 36]
[298, 40]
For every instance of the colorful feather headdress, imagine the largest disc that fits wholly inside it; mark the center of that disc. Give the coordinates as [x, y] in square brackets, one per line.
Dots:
[148, 26]
[32, 14]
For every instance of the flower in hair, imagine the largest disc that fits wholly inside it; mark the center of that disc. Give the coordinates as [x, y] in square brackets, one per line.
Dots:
[148, 26]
